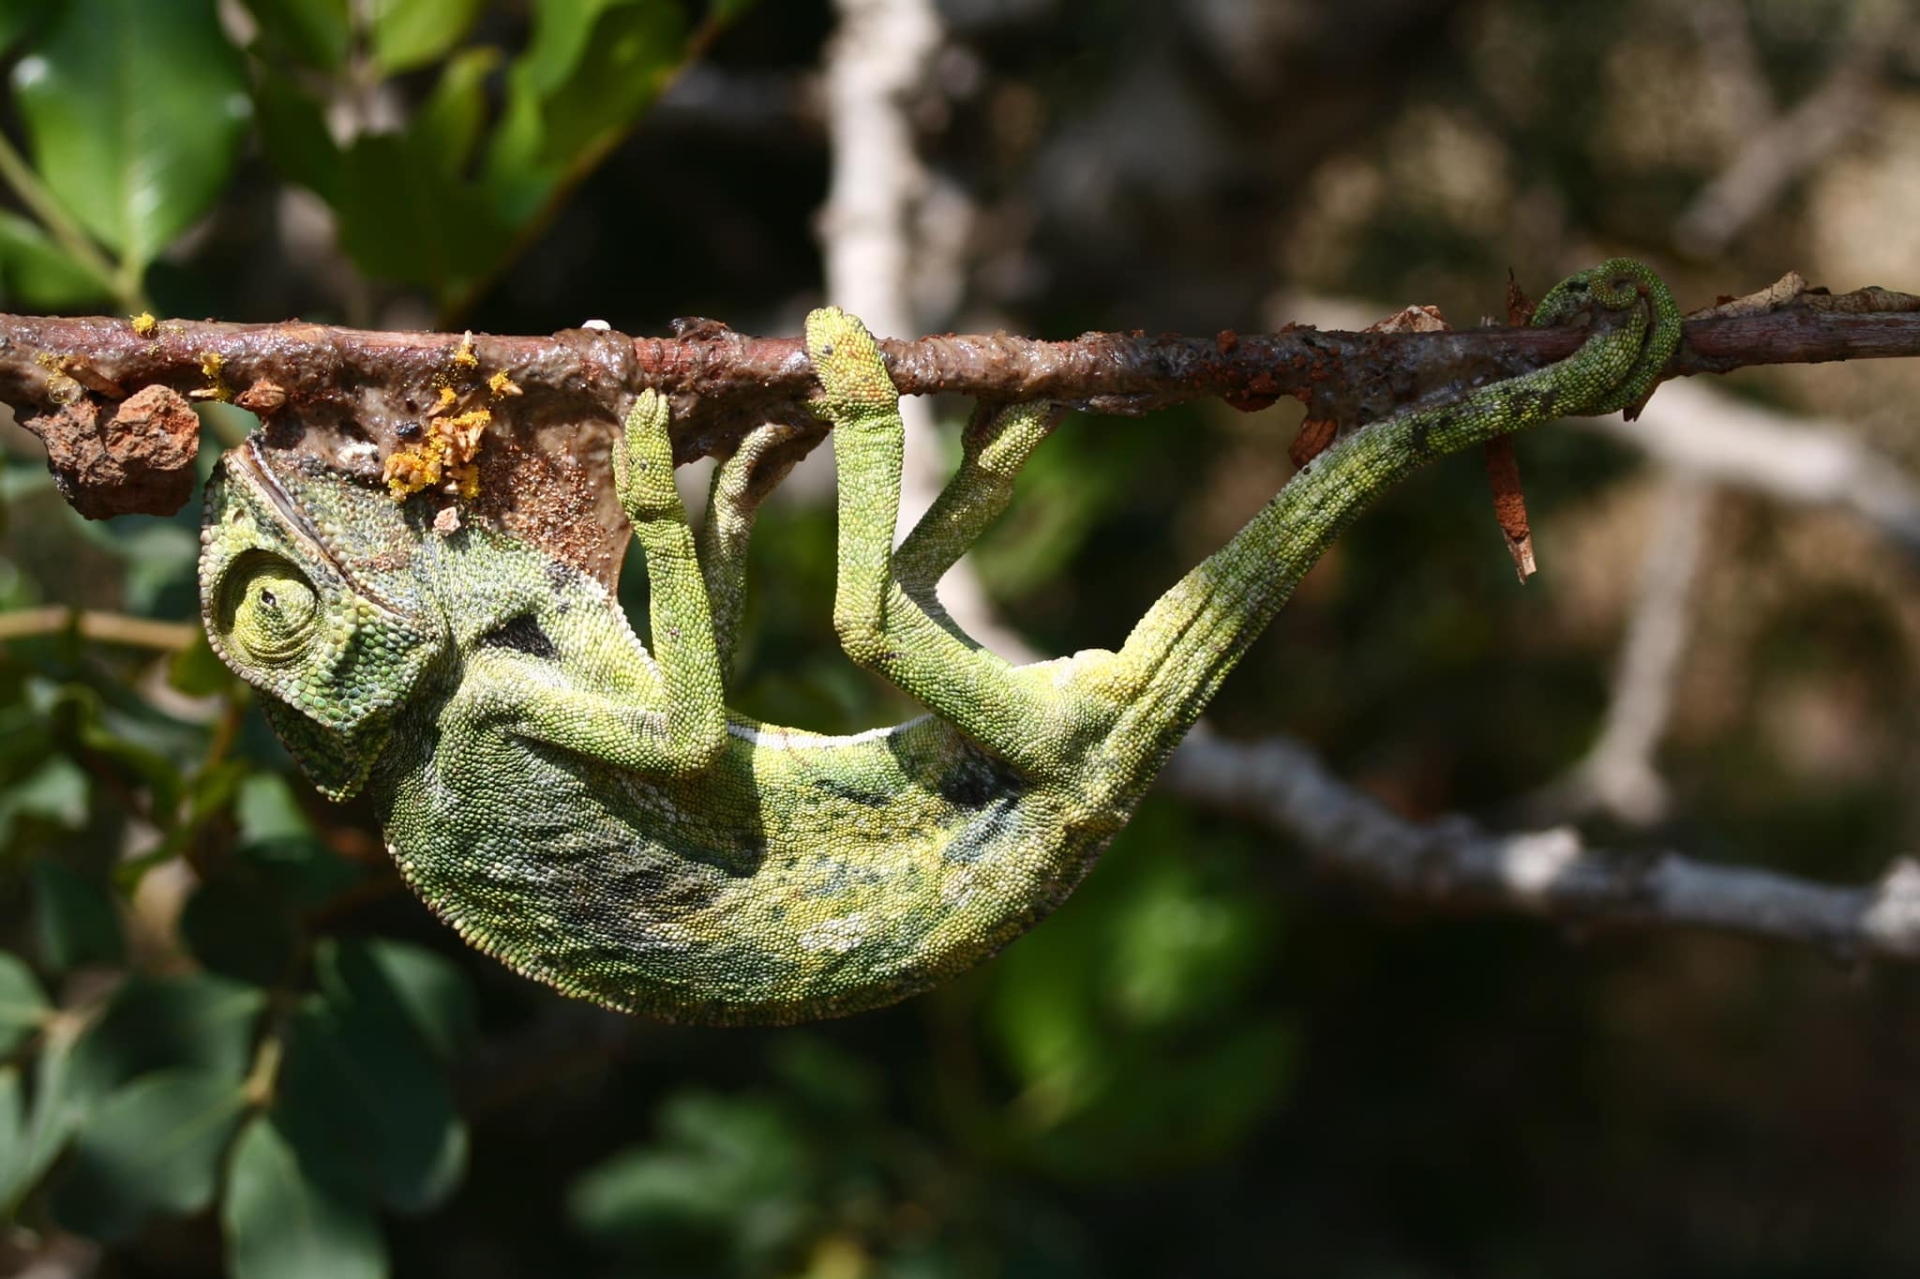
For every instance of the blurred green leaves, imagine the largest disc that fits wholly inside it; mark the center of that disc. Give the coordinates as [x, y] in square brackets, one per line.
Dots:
[22, 1005]
[281, 1224]
[1129, 1017]
[134, 113]
[154, 1147]
[444, 200]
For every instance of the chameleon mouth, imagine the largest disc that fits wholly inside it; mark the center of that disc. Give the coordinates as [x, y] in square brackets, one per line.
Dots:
[252, 463]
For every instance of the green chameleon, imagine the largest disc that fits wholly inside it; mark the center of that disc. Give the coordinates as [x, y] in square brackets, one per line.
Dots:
[590, 812]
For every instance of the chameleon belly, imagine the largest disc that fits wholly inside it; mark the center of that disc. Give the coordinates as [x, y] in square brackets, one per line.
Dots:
[714, 899]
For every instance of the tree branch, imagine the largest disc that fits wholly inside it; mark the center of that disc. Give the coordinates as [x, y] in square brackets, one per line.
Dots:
[1549, 874]
[351, 398]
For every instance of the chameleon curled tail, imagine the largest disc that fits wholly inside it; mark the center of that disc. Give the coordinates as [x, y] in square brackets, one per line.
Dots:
[592, 814]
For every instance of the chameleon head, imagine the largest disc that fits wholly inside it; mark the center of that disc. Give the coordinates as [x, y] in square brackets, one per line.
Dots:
[308, 591]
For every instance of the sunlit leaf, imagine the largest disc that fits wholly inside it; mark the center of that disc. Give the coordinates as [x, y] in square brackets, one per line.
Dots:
[197, 671]
[428, 990]
[52, 1115]
[134, 111]
[281, 1224]
[266, 808]
[36, 272]
[55, 792]
[727, 1178]
[153, 1147]
[590, 69]
[412, 33]
[449, 122]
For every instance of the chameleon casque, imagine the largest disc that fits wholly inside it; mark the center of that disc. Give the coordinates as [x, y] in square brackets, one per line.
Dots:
[590, 813]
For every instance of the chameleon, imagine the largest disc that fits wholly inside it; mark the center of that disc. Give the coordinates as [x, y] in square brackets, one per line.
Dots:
[585, 808]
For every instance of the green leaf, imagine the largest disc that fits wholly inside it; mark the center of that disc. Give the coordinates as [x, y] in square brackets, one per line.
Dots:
[55, 792]
[278, 843]
[75, 918]
[36, 272]
[412, 33]
[23, 1008]
[726, 1180]
[317, 33]
[409, 982]
[153, 1147]
[362, 1099]
[197, 671]
[590, 70]
[135, 111]
[268, 809]
[15, 17]
[449, 123]
[293, 127]
[150, 1024]
[242, 930]
[13, 1129]
[50, 1119]
[280, 1224]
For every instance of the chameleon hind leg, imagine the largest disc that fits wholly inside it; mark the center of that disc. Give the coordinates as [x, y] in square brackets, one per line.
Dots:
[740, 483]
[1013, 712]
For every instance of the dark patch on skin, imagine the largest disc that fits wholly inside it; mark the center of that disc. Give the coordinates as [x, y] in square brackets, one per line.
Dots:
[560, 580]
[853, 794]
[983, 832]
[522, 634]
[979, 781]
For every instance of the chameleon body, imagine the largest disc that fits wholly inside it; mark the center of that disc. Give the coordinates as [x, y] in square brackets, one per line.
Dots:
[589, 812]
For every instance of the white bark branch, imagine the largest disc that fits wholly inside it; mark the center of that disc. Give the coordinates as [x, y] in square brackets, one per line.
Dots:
[1810, 461]
[1618, 775]
[1550, 873]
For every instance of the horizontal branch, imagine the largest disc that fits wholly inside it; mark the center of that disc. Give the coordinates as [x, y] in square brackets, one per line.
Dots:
[110, 398]
[1549, 874]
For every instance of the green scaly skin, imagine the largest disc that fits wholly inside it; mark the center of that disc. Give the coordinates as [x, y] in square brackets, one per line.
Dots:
[591, 814]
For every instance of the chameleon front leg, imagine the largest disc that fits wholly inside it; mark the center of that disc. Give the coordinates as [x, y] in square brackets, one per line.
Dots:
[663, 718]
[740, 483]
[1012, 713]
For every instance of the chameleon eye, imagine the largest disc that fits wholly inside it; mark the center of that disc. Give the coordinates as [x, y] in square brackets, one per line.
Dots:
[270, 609]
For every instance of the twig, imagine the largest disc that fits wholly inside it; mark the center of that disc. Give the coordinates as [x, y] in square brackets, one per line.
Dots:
[1547, 873]
[107, 628]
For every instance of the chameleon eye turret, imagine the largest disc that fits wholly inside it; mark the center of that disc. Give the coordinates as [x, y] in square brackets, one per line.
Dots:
[593, 815]
[268, 609]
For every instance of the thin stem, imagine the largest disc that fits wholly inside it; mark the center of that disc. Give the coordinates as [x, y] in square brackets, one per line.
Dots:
[107, 628]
